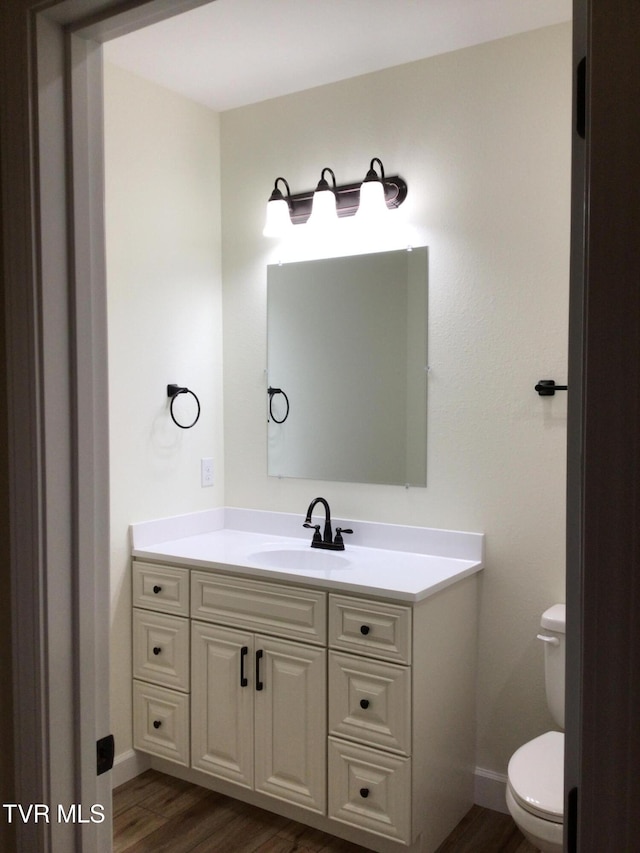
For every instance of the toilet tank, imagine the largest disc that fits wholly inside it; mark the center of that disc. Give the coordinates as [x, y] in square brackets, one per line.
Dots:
[553, 633]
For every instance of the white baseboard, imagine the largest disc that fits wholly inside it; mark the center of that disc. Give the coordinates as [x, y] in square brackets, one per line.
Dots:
[127, 766]
[490, 790]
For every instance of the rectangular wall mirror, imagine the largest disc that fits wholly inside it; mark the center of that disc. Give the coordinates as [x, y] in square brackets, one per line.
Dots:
[347, 344]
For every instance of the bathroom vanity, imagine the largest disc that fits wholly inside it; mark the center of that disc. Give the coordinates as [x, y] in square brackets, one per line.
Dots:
[337, 689]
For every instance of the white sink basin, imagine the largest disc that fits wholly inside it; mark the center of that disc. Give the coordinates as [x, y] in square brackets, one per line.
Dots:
[302, 559]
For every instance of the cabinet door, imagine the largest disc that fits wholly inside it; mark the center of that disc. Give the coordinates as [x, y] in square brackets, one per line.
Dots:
[374, 628]
[161, 649]
[370, 701]
[370, 789]
[164, 588]
[290, 713]
[222, 703]
[161, 722]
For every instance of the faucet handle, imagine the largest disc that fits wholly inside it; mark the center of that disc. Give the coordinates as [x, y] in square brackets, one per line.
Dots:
[316, 527]
[339, 531]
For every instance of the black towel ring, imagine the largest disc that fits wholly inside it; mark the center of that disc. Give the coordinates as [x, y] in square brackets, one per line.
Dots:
[271, 391]
[174, 391]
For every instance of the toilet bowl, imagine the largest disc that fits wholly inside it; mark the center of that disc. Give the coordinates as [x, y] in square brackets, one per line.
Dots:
[535, 791]
[535, 776]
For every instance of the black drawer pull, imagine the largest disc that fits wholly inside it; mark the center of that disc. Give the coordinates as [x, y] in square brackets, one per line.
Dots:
[364, 629]
[156, 650]
[259, 684]
[244, 651]
[364, 792]
[364, 704]
[157, 724]
[157, 589]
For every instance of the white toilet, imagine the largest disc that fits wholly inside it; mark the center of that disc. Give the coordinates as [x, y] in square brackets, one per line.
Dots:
[535, 787]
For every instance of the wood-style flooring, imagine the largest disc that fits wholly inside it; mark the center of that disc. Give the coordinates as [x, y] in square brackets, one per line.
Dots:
[155, 813]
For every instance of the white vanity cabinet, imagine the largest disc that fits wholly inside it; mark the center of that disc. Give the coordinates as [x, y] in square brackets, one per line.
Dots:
[353, 713]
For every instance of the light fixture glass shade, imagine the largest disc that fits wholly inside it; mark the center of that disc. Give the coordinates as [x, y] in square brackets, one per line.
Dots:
[278, 222]
[324, 207]
[373, 206]
[324, 213]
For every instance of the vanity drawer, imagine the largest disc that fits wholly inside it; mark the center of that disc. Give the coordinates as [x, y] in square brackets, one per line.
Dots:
[370, 789]
[161, 649]
[162, 588]
[370, 701]
[370, 628]
[285, 611]
[161, 722]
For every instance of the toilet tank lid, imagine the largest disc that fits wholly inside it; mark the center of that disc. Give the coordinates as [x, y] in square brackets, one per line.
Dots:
[554, 619]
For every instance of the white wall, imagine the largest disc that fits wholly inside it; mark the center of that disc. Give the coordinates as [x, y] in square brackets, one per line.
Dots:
[164, 312]
[482, 137]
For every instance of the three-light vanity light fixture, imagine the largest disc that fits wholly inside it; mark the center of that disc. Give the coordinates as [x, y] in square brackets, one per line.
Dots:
[370, 201]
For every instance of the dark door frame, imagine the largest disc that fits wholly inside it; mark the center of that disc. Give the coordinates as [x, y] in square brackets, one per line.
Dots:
[603, 495]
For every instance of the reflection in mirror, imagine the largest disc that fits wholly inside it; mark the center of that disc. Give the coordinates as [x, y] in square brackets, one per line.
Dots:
[347, 344]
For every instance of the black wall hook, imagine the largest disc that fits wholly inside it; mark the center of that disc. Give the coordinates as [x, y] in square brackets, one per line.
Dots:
[548, 387]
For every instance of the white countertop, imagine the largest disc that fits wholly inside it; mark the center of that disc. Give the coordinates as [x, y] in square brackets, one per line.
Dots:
[241, 541]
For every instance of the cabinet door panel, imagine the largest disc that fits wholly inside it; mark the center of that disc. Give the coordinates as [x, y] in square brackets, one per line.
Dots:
[252, 605]
[373, 628]
[161, 722]
[370, 789]
[370, 701]
[164, 588]
[161, 649]
[222, 708]
[291, 723]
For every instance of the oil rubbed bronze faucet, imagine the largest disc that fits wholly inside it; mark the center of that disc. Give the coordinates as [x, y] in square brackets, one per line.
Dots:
[326, 540]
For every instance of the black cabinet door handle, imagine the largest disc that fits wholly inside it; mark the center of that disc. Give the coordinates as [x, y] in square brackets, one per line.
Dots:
[244, 651]
[157, 589]
[364, 629]
[156, 650]
[364, 704]
[364, 792]
[157, 724]
[259, 684]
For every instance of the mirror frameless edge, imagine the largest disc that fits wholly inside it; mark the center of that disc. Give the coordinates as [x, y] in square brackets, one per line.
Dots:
[347, 343]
